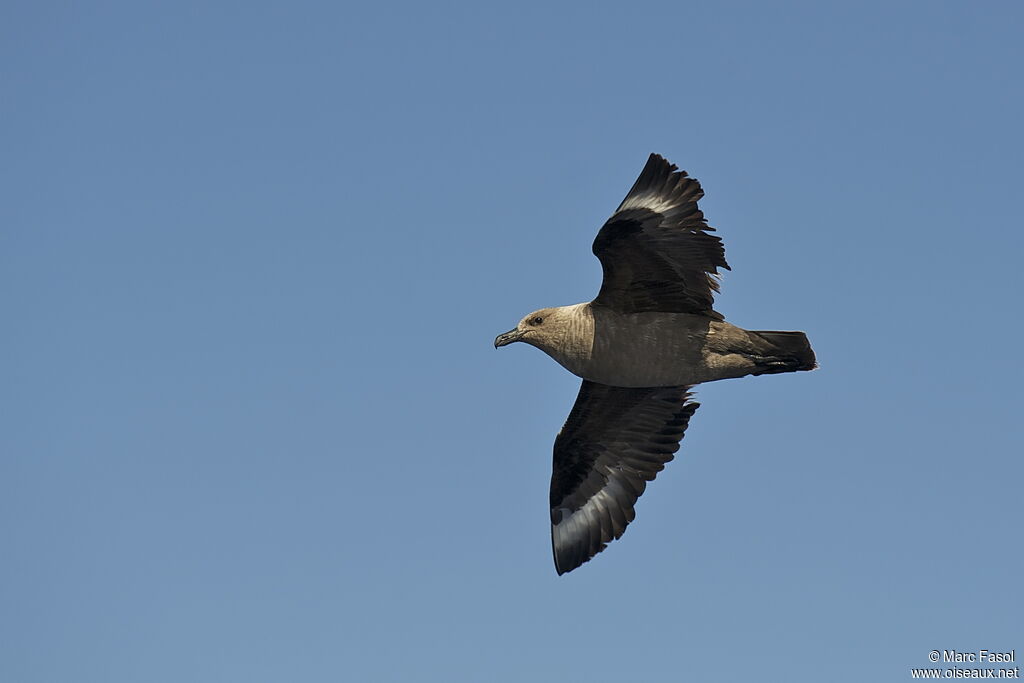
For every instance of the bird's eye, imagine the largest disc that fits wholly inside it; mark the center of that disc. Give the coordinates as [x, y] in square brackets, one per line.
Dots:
[537, 321]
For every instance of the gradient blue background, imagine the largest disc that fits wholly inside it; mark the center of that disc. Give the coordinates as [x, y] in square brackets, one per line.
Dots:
[253, 257]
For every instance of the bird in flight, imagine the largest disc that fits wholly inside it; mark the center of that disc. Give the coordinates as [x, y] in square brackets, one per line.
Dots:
[640, 346]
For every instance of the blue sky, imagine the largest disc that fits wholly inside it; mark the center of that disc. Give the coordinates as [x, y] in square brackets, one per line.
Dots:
[253, 257]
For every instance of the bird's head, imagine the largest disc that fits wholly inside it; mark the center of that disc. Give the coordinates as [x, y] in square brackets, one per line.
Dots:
[542, 328]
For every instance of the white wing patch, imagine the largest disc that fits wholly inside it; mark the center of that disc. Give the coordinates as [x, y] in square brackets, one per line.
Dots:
[648, 201]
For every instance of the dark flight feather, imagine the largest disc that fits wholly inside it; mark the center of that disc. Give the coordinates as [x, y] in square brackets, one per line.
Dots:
[614, 441]
[656, 250]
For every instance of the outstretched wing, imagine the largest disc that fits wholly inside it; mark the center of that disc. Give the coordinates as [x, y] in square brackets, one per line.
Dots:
[615, 440]
[656, 250]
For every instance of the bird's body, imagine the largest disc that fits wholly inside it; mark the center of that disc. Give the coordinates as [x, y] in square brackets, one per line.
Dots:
[655, 349]
[648, 337]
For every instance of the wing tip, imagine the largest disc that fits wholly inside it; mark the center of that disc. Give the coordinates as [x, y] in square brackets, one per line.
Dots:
[574, 554]
[662, 187]
[656, 159]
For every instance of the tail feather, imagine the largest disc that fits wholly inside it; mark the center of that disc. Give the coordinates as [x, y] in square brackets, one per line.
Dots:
[793, 351]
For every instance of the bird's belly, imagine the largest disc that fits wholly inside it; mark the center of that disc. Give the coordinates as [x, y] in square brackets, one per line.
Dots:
[644, 370]
[648, 350]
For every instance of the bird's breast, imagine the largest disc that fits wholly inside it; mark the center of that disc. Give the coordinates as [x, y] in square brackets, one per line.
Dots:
[646, 349]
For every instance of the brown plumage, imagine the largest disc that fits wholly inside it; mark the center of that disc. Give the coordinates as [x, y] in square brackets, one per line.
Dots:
[649, 336]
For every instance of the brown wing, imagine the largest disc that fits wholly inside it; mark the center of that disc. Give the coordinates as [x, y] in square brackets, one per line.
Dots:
[615, 440]
[656, 250]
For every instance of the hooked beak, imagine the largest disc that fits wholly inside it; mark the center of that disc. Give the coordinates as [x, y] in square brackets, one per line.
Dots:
[507, 338]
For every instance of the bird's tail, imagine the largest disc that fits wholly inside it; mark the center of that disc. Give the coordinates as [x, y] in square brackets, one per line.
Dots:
[791, 352]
